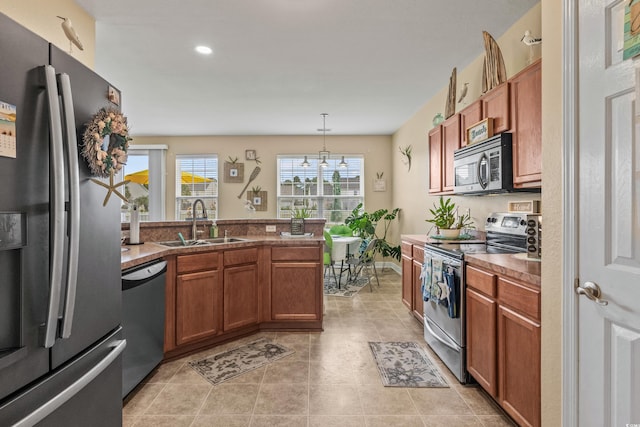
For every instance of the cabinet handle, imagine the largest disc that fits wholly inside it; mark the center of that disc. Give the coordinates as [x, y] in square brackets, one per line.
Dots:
[591, 291]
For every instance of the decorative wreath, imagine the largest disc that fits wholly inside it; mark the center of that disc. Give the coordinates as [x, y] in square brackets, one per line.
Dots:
[106, 155]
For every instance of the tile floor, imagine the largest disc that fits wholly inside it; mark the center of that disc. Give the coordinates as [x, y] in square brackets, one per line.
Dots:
[331, 379]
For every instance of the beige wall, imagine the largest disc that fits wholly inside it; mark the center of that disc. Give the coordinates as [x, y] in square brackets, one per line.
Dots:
[376, 149]
[411, 188]
[552, 198]
[40, 17]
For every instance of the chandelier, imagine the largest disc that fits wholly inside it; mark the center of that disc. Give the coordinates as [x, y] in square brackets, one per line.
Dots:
[324, 154]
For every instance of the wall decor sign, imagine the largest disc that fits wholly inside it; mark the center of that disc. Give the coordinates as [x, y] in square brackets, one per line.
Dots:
[233, 172]
[480, 131]
[7, 130]
[250, 154]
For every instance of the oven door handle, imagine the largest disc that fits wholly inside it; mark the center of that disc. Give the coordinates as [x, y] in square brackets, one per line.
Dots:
[444, 340]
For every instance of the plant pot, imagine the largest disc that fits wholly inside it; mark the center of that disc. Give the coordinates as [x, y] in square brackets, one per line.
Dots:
[450, 233]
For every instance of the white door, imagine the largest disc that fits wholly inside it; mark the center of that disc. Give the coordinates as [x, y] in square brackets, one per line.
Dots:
[609, 220]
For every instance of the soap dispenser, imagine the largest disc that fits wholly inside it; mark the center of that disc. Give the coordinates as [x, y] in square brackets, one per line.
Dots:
[213, 231]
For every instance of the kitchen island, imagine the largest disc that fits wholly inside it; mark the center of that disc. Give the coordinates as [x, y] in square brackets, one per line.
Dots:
[216, 293]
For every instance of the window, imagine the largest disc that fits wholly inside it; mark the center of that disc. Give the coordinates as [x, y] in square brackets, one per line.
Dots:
[196, 178]
[299, 191]
[145, 172]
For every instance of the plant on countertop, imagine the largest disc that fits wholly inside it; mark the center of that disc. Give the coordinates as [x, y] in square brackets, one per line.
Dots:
[364, 224]
[445, 216]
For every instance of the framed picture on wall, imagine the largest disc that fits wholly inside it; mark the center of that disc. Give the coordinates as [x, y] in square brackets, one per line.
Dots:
[250, 154]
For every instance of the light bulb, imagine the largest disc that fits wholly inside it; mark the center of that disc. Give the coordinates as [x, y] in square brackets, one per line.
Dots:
[305, 163]
[324, 162]
[342, 163]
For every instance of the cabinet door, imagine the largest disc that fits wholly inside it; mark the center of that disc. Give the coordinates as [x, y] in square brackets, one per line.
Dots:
[435, 160]
[198, 306]
[418, 303]
[519, 367]
[526, 116]
[407, 281]
[240, 293]
[468, 117]
[495, 104]
[481, 340]
[296, 291]
[450, 143]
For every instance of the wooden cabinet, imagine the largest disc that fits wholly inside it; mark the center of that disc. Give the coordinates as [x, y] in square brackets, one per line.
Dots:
[469, 116]
[495, 104]
[240, 288]
[198, 298]
[418, 302]
[503, 341]
[526, 126]
[407, 275]
[412, 259]
[443, 141]
[295, 293]
[450, 143]
[435, 160]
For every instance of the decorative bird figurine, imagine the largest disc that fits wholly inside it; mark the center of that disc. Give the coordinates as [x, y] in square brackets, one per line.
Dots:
[463, 92]
[71, 34]
[529, 40]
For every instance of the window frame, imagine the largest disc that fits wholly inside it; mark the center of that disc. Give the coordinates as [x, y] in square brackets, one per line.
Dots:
[178, 197]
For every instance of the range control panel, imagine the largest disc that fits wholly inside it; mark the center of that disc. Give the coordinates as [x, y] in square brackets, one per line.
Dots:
[507, 223]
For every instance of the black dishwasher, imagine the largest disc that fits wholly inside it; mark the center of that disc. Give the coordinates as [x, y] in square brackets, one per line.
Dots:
[143, 295]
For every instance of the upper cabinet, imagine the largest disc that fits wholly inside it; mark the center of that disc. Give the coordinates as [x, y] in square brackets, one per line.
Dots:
[471, 115]
[450, 143]
[435, 160]
[495, 104]
[526, 125]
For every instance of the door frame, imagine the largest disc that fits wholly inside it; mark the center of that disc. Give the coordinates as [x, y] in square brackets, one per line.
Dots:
[570, 188]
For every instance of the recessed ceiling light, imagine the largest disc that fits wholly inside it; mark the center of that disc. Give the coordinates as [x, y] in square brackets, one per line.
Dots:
[205, 50]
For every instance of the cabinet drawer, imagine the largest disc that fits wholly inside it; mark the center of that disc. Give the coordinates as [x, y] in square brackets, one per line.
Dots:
[418, 254]
[197, 262]
[481, 280]
[304, 253]
[519, 297]
[240, 256]
[406, 248]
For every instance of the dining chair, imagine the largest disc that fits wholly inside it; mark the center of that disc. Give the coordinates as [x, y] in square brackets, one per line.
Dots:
[365, 262]
[329, 263]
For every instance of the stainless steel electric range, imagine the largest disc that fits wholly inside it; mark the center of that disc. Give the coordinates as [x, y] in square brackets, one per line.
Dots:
[444, 285]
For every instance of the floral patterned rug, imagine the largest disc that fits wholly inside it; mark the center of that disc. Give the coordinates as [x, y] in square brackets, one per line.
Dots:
[229, 364]
[405, 364]
[347, 289]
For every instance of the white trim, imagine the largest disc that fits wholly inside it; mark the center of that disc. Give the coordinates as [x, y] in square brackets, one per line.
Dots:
[570, 182]
[148, 147]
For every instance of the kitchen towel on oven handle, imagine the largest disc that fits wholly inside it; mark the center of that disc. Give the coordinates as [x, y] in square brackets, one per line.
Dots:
[425, 277]
[453, 293]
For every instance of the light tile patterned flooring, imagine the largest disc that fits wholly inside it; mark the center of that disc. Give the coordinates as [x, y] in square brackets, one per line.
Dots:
[331, 380]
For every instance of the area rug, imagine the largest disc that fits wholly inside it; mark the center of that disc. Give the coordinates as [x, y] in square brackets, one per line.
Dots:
[229, 364]
[347, 289]
[405, 364]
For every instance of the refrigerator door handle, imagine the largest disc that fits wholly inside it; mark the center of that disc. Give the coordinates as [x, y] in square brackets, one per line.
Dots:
[74, 204]
[53, 404]
[57, 189]
[444, 340]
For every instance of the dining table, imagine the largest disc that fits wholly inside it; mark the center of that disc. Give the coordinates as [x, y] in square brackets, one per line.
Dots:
[344, 247]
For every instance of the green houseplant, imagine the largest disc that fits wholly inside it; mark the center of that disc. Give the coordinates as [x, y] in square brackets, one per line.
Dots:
[365, 225]
[447, 220]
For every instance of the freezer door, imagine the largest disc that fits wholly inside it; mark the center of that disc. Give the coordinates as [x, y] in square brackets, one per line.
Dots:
[24, 209]
[84, 392]
[98, 302]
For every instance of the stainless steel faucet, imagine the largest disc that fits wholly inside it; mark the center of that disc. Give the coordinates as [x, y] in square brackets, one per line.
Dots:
[194, 235]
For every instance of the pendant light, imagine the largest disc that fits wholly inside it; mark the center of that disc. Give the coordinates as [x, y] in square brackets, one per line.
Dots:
[324, 154]
[342, 163]
[305, 163]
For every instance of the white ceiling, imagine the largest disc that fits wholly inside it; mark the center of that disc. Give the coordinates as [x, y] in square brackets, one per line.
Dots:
[278, 64]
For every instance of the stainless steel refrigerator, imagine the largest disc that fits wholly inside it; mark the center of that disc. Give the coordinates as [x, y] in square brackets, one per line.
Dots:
[60, 290]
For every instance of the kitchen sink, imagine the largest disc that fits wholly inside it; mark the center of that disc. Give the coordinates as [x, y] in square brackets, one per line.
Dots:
[200, 242]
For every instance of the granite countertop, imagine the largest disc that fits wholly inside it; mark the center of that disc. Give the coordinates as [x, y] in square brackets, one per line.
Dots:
[421, 239]
[511, 265]
[139, 254]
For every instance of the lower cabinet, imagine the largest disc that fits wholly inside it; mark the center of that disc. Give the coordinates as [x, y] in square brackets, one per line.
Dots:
[240, 290]
[407, 275]
[198, 299]
[503, 341]
[296, 284]
[412, 259]
[418, 302]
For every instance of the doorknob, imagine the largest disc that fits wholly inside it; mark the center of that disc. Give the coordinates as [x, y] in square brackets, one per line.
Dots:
[591, 291]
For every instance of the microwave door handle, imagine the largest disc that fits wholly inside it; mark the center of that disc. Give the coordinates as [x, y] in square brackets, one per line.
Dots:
[482, 183]
[74, 204]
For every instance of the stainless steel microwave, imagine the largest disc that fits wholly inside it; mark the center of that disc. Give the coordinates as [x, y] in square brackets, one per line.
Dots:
[485, 167]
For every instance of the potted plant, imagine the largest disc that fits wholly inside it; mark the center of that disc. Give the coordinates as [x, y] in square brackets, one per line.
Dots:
[447, 220]
[363, 224]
